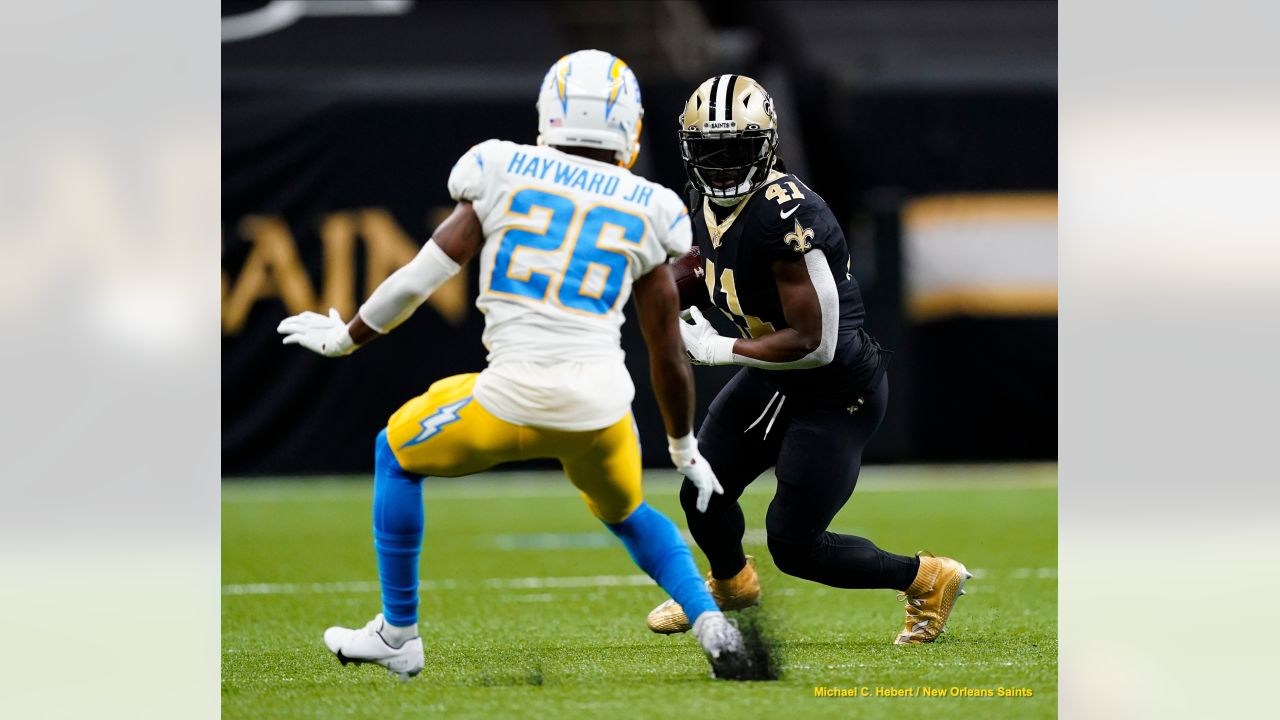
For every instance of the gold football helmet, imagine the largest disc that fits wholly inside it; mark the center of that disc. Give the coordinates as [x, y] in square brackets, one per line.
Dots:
[728, 135]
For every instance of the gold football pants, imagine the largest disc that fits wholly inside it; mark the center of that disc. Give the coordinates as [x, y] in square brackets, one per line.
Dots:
[445, 432]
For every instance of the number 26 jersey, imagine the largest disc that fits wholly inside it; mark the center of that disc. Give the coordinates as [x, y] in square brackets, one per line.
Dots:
[565, 238]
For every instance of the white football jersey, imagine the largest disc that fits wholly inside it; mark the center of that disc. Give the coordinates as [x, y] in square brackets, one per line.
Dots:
[565, 237]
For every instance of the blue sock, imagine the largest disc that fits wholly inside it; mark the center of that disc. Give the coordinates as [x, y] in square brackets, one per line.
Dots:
[656, 546]
[397, 534]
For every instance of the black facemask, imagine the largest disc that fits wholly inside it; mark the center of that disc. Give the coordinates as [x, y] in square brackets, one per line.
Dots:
[719, 165]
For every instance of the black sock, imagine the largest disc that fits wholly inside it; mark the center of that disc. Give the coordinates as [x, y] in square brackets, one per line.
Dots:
[844, 561]
[718, 533]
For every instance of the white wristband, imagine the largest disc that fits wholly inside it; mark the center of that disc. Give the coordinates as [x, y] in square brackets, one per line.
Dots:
[681, 449]
[721, 349]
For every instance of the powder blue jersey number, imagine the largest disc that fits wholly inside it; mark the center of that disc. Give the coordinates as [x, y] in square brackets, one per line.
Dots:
[579, 284]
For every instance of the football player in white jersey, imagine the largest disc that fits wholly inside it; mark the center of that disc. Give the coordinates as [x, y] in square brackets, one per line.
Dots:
[565, 233]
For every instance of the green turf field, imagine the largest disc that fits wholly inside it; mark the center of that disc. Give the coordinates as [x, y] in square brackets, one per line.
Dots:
[531, 609]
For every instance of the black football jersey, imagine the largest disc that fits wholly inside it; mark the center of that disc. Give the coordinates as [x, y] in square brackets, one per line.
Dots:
[783, 220]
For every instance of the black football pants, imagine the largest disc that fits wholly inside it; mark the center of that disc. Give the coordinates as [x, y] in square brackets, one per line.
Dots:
[817, 452]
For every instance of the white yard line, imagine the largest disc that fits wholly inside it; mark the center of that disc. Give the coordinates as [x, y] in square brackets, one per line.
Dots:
[535, 597]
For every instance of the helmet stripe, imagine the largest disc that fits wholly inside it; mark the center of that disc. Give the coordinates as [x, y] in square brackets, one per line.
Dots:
[612, 74]
[728, 105]
[722, 83]
[562, 80]
[711, 98]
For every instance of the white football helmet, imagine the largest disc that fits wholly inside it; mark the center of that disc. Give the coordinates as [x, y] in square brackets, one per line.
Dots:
[591, 99]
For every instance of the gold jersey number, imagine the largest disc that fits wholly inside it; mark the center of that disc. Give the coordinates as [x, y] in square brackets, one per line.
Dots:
[748, 325]
[776, 192]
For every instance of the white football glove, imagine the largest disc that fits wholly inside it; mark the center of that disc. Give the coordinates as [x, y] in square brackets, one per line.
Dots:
[690, 463]
[704, 344]
[327, 336]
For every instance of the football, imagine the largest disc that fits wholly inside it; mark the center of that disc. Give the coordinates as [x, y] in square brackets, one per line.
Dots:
[690, 277]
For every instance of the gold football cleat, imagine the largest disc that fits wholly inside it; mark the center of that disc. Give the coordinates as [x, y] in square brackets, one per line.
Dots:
[930, 598]
[738, 592]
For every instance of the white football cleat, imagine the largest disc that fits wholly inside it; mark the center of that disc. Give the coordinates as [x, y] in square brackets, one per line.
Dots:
[722, 642]
[366, 645]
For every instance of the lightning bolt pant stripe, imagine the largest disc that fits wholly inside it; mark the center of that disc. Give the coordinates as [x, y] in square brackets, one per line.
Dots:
[432, 424]
[443, 433]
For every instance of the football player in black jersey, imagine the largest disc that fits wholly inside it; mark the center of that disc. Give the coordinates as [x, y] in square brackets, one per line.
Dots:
[813, 388]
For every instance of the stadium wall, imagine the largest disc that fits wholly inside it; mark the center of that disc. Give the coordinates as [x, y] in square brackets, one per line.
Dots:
[325, 192]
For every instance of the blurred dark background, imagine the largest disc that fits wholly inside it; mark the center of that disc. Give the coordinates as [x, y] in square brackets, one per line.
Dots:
[929, 127]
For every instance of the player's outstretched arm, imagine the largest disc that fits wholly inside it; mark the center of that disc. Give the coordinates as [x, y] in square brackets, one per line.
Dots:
[455, 242]
[658, 308]
[811, 305]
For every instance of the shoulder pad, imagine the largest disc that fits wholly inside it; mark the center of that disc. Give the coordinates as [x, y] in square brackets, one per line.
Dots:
[790, 216]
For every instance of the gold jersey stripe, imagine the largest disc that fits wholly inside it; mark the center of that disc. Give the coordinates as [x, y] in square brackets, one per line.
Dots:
[718, 229]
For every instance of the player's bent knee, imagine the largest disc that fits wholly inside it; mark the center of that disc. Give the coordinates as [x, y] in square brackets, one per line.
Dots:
[791, 557]
[688, 496]
[689, 500]
[615, 512]
[611, 499]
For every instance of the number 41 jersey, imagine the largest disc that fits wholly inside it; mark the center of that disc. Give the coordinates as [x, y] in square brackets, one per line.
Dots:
[565, 237]
[782, 221]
